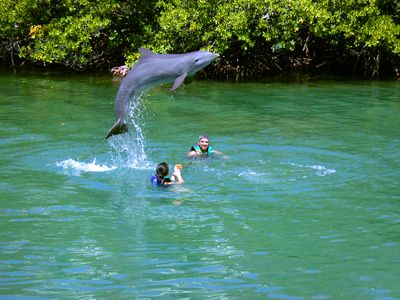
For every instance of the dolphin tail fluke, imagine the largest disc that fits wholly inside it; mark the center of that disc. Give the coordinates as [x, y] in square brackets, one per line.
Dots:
[118, 128]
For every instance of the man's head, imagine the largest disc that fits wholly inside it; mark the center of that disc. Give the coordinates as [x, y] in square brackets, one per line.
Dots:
[203, 141]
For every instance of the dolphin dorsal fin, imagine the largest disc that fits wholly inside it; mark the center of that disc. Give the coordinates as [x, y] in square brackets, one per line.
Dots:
[145, 52]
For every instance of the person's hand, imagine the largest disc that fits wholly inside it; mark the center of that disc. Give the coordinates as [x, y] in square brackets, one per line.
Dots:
[177, 170]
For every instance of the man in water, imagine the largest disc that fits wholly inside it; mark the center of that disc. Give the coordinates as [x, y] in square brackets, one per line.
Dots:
[203, 148]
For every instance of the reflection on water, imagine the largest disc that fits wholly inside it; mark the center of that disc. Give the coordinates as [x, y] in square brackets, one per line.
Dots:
[306, 206]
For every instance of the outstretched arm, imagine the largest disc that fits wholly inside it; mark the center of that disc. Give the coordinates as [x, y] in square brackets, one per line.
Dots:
[176, 176]
[221, 154]
[192, 154]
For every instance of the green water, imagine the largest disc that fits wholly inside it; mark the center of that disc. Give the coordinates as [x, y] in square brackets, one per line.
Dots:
[306, 206]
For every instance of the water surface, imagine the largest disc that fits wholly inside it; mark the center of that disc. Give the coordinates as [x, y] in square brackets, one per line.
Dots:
[305, 206]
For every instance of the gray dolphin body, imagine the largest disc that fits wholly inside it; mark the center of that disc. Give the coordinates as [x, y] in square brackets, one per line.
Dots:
[152, 69]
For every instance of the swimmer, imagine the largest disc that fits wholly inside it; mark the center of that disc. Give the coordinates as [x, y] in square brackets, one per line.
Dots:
[161, 177]
[203, 148]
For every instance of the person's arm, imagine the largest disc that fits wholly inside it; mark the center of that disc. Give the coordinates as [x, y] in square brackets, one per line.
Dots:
[218, 152]
[192, 154]
[178, 176]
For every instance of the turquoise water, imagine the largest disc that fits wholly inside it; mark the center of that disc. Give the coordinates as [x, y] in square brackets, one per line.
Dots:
[305, 206]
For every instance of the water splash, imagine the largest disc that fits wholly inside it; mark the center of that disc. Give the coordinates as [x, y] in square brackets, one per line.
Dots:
[84, 167]
[129, 149]
[319, 169]
[322, 171]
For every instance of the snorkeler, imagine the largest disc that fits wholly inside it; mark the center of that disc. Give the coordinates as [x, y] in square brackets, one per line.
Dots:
[203, 148]
[161, 177]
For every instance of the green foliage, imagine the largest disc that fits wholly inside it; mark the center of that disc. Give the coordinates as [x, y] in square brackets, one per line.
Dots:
[212, 25]
[286, 27]
[66, 41]
[216, 24]
[76, 33]
[249, 34]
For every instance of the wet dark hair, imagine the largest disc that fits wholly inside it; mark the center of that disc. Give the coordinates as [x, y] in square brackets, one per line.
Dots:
[162, 170]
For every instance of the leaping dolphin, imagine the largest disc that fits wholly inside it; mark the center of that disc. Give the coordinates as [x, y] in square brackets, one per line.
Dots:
[151, 69]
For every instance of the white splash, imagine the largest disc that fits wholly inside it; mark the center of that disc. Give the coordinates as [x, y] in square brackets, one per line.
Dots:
[84, 167]
[322, 171]
[250, 173]
[130, 149]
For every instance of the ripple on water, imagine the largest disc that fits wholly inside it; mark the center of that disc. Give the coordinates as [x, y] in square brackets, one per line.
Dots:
[307, 165]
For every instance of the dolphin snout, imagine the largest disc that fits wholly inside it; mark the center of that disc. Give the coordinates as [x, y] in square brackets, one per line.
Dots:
[215, 55]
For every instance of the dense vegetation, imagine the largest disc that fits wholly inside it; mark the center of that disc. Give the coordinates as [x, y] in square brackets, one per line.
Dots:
[253, 37]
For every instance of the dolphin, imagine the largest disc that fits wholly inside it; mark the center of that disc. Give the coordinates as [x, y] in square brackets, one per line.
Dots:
[152, 69]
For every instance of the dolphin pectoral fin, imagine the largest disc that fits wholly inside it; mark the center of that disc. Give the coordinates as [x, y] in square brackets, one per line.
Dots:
[118, 128]
[178, 81]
